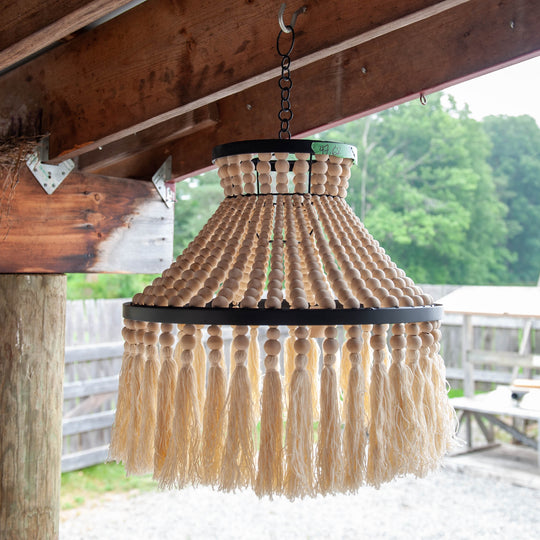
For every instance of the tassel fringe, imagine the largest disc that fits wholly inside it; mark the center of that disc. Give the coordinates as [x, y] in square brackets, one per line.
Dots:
[187, 428]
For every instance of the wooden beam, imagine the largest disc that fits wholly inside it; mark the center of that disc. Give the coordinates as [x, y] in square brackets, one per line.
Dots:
[429, 55]
[163, 133]
[89, 224]
[163, 59]
[32, 311]
[28, 26]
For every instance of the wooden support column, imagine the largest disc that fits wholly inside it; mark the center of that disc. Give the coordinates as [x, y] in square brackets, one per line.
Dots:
[32, 328]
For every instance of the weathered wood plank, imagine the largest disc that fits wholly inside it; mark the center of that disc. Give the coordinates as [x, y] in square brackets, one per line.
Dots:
[90, 387]
[85, 353]
[87, 422]
[84, 458]
[89, 224]
[504, 358]
[163, 59]
[27, 26]
[32, 311]
[480, 375]
[168, 131]
[427, 56]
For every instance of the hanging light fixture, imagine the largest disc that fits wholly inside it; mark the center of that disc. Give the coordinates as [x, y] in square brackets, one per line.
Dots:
[284, 228]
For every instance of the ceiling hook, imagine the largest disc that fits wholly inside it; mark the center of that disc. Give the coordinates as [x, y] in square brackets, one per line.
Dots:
[288, 27]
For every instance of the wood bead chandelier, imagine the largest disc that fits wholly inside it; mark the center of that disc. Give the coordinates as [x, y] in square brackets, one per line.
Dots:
[283, 254]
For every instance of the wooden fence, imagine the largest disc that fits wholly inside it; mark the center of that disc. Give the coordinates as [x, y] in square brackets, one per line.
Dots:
[94, 351]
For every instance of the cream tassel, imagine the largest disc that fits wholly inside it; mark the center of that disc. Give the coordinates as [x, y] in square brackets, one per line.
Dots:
[367, 361]
[329, 457]
[165, 398]
[134, 426]
[446, 419]
[299, 480]
[182, 462]
[345, 365]
[377, 467]
[145, 448]
[269, 479]
[354, 434]
[313, 370]
[420, 466]
[402, 413]
[253, 365]
[118, 447]
[430, 408]
[214, 413]
[288, 362]
[199, 365]
[238, 464]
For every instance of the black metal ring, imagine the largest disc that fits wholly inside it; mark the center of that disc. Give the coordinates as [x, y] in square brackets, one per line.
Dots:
[282, 317]
[292, 146]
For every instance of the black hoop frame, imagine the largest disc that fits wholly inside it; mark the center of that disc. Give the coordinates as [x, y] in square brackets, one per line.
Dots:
[281, 317]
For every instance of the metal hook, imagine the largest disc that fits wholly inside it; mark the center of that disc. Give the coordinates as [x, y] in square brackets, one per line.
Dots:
[287, 27]
[423, 99]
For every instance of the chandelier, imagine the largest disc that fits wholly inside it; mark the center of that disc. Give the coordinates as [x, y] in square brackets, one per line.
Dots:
[362, 398]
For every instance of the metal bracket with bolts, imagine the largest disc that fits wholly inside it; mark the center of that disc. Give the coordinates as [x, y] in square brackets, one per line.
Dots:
[48, 176]
[160, 179]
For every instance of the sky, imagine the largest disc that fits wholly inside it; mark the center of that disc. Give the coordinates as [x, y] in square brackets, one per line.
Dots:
[510, 91]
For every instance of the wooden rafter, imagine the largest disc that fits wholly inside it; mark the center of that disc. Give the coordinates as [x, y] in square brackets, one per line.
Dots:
[27, 26]
[163, 59]
[429, 55]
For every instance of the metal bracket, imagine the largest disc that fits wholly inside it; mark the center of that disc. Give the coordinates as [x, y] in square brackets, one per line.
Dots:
[161, 176]
[48, 176]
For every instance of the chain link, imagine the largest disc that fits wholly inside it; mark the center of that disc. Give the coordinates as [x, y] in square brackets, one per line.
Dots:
[285, 114]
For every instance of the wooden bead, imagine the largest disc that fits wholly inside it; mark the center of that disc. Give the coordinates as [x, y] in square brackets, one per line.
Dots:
[301, 332]
[214, 330]
[354, 331]
[330, 346]
[150, 338]
[354, 345]
[272, 303]
[302, 346]
[398, 342]
[390, 301]
[215, 342]
[241, 342]
[166, 339]
[299, 303]
[414, 342]
[272, 347]
[377, 342]
[427, 339]
[330, 332]
[273, 332]
[188, 341]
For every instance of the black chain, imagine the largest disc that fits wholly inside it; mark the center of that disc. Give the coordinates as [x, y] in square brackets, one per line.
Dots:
[285, 115]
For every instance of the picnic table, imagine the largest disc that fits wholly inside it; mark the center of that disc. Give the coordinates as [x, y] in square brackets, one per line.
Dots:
[492, 408]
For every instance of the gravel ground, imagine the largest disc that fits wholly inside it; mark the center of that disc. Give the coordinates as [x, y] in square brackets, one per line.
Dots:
[448, 504]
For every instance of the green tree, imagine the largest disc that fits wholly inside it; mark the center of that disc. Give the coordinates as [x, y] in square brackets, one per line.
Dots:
[515, 160]
[197, 199]
[426, 192]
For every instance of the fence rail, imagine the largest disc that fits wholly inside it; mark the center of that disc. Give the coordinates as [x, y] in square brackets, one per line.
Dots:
[94, 353]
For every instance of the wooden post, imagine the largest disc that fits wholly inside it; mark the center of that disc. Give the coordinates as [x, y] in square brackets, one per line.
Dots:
[32, 333]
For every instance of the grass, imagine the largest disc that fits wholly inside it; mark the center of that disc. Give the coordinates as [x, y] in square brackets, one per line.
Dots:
[79, 487]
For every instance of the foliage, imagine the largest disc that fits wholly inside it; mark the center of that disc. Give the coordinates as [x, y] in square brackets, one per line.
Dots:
[197, 199]
[515, 160]
[425, 191]
[81, 286]
[78, 487]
